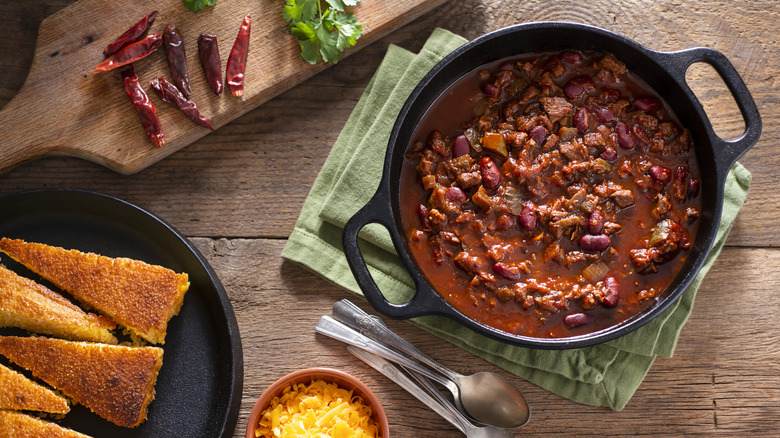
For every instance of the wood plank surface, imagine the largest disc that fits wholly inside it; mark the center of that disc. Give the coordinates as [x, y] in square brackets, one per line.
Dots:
[237, 192]
[91, 117]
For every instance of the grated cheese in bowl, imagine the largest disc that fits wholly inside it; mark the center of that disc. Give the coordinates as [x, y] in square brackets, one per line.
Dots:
[316, 409]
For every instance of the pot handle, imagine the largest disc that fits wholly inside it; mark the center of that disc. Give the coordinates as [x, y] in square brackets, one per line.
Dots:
[728, 151]
[378, 210]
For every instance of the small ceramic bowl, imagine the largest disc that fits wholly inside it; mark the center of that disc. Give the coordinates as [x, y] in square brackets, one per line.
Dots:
[340, 378]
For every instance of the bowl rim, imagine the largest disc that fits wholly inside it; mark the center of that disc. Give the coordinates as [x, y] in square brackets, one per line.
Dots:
[332, 375]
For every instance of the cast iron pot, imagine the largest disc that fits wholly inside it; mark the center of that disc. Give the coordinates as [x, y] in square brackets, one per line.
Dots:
[664, 72]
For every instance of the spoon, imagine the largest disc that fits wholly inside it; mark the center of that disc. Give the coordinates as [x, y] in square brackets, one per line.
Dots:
[431, 398]
[485, 396]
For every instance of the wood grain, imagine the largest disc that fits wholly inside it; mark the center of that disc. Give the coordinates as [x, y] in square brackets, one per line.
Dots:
[721, 382]
[90, 117]
[237, 193]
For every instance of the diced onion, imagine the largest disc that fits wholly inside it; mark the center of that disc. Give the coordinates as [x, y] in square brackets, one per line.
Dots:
[595, 272]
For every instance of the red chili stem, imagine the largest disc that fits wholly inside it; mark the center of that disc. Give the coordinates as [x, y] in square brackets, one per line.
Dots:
[131, 35]
[131, 53]
[208, 51]
[143, 105]
[172, 95]
[177, 59]
[236, 64]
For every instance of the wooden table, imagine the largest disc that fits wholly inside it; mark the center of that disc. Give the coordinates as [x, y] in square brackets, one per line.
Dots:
[237, 192]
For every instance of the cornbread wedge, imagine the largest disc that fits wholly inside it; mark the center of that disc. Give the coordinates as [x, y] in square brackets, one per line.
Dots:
[138, 296]
[116, 382]
[19, 425]
[20, 393]
[34, 307]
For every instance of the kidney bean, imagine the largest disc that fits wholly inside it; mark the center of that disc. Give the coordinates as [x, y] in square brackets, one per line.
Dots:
[596, 222]
[647, 104]
[613, 292]
[456, 195]
[508, 271]
[538, 134]
[609, 154]
[576, 319]
[604, 115]
[528, 218]
[624, 137]
[577, 86]
[594, 242]
[661, 174]
[571, 57]
[422, 213]
[693, 188]
[582, 120]
[460, 146]
[490, 89]
[491, 177]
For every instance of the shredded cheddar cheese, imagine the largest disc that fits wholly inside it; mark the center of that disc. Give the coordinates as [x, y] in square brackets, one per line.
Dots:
[317, 409]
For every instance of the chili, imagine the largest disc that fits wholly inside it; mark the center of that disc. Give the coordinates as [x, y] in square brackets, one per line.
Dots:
[131, 53]
[143, 106]
[169, 93]
[208, 51]
[552, 195]
[131, 35]
[177, 58]
[236, 64]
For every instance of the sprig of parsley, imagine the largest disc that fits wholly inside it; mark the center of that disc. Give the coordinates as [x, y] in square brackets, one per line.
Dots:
[323, 33]
[197, 5]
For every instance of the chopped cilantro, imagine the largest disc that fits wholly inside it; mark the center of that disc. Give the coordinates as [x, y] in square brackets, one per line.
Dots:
[197, 5]
[322, 33]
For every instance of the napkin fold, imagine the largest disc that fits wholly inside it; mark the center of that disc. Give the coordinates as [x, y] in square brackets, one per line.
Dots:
[607, 374]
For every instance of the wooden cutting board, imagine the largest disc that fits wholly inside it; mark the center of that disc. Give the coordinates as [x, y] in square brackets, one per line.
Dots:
[65, 109]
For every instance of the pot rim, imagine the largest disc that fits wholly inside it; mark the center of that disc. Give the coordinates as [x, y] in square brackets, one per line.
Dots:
[385, 206]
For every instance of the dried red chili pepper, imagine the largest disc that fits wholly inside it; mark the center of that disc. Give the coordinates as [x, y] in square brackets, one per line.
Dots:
[131, 53]
[236, 64]
[177, 59]
[208, 51]
[131, 35]
[143, 105]
[172, 95]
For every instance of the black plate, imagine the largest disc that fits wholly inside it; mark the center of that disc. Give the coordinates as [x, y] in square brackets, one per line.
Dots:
[200, 383]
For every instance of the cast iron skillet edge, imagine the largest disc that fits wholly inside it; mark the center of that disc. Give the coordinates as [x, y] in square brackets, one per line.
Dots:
[125, 213]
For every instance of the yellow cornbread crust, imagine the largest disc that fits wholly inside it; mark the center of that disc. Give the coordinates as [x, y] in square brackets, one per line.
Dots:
[116, 382]
[34, 307]
[19, 425]
[138, 296]
[17, 392]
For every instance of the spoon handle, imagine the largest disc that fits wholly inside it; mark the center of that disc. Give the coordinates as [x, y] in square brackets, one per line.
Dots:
[441, 406]
[374, 327]
[337, 330]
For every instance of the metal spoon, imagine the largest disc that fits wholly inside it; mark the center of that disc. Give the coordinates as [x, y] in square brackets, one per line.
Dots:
[439, 404]
[485, 396]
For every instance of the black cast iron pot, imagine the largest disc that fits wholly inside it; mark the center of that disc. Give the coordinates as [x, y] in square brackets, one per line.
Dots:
[664, 72]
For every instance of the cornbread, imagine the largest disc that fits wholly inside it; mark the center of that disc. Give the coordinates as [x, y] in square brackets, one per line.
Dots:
[315, 409]
[138, 296]
[116, 382]
[34, 307]
[18, 425]
[20, 393]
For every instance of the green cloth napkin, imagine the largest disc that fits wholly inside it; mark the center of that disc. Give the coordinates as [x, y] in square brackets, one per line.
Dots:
[602, 375]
